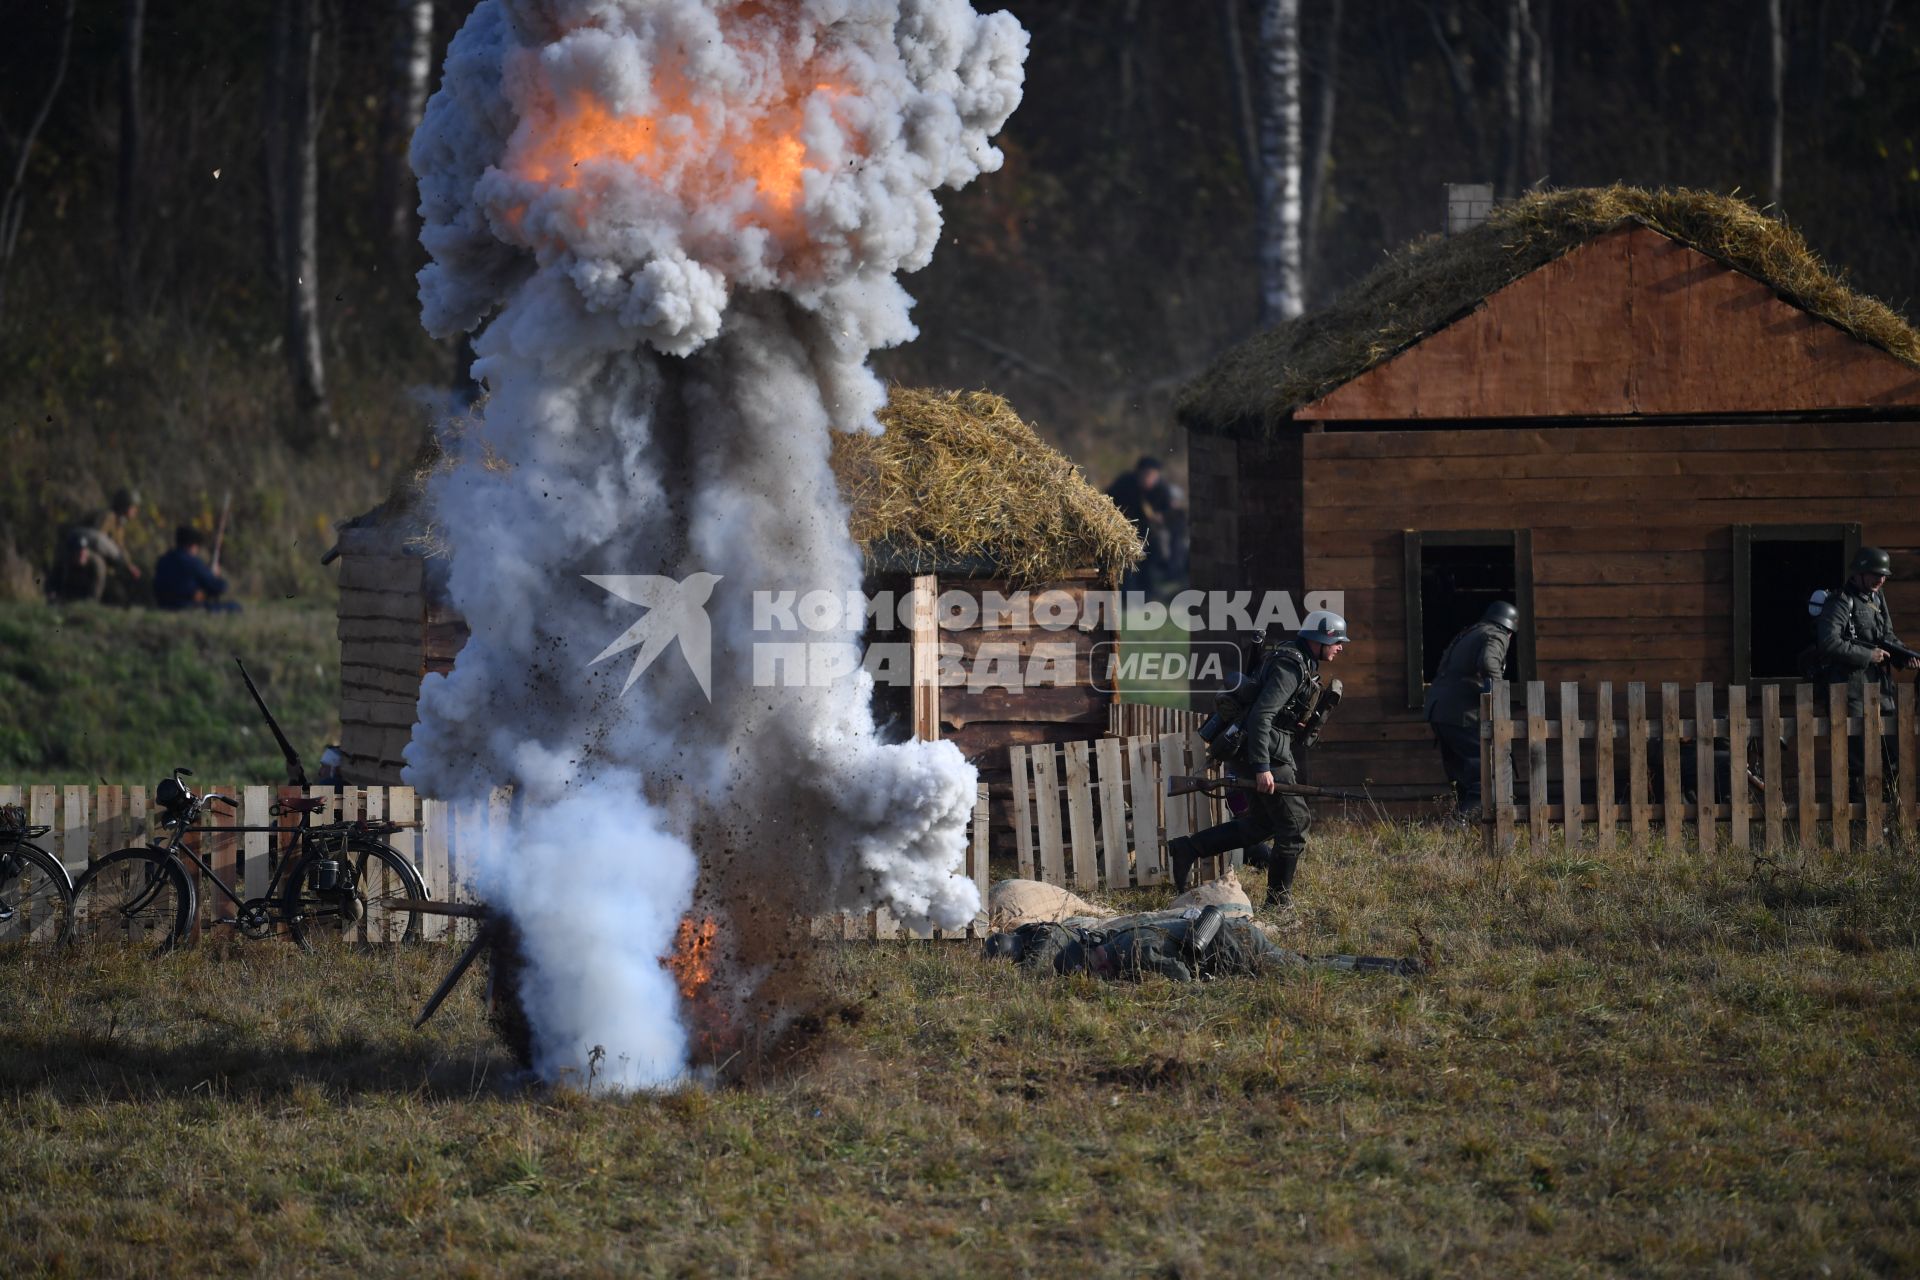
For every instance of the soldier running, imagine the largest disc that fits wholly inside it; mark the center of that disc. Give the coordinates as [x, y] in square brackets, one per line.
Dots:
[1472, 662]
[1288, 688]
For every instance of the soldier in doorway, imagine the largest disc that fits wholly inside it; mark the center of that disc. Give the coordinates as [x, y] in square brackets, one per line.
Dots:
[1289, 686]
[1472, 662]
[1855, 645]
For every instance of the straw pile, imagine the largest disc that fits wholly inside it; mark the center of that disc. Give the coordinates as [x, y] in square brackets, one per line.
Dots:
[1434, 281]
[959, 479]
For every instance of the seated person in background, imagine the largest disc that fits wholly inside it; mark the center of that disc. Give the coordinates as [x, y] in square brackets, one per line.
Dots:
[182, 580]
[92, 561]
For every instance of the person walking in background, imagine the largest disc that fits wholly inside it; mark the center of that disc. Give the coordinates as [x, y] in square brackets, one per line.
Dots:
[1472, 662]
[1144, 498]
[92, 555]
[182, 580]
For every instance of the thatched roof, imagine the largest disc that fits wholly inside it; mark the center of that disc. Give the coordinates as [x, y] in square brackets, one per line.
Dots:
[958, 483]
[1434, 281]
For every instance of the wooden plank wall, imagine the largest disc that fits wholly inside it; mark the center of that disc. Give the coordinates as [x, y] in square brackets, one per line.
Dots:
[382, 629]
[1632, 546]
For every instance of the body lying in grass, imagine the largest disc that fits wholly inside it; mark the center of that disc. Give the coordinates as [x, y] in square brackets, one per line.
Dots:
[1183, 945]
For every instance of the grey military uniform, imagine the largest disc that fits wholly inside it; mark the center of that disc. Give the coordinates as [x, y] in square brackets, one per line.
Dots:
[1475, 658]
[1852, 624]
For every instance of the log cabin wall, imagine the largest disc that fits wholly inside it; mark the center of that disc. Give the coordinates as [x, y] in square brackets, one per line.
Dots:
[382, 620]
[1632, 546]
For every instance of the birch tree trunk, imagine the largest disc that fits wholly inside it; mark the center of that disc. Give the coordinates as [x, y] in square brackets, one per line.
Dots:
[302, 209]
[1526, 87]
[133, 18]
[1776, 103]
[1281, 292]
[412, 76]
[1539, 89]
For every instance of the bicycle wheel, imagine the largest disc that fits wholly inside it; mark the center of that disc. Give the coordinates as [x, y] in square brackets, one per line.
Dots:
[138, 896]
[331, 900]
[36, 895]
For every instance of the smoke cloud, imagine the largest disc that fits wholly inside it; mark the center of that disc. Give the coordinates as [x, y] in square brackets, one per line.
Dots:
[675, 227]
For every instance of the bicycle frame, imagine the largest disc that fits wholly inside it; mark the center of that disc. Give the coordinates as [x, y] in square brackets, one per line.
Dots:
[299, 839]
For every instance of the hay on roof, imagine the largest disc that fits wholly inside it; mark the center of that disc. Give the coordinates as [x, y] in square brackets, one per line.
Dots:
[1433, 281]
[958, 479]
[958, 483]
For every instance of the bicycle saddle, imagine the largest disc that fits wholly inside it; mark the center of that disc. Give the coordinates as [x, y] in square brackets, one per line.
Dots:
[304, 804]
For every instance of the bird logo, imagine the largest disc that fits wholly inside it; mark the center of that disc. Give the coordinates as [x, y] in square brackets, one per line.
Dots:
[675, 611]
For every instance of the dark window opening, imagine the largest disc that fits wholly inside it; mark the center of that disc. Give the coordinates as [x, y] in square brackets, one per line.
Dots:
[1776, 570]
[1456, 586]
[1450, 580]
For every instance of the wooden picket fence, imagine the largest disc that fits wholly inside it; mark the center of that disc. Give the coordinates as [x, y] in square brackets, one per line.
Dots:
[1146, 720]
[1092, 815]
[1584, 770]
[89, 822]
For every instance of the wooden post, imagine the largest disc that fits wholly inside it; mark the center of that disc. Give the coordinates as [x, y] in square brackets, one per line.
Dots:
[1740, 790]
[1904, 758]
[1503, 815]
[977, 858]
[1486, 773]
[924, 637]
[1086, 870]
[1020, 761]
[1703, 789]
[1570, 761]
[1639, 812]
[1606, 814]
[1872, 782]
[255, 803]
[434, 820]
[1173, 762]
[1537, 765]
[1046, 801]
[73, 830]
[1808, 832]
[1775, 798]
[1115, 865]
[1673, 800]
[401, 808]
[1838, 732]
[1144, 768]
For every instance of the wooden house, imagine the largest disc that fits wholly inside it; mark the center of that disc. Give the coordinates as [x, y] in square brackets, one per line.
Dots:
[959, 496]
[1653, 420]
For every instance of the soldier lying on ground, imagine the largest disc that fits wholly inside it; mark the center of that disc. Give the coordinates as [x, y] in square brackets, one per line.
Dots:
[1181, 945]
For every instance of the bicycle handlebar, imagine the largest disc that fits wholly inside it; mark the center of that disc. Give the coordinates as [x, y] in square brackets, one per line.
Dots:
[228, 801]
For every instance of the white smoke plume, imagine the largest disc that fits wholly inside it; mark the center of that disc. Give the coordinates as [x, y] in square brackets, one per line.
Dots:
[675, 227]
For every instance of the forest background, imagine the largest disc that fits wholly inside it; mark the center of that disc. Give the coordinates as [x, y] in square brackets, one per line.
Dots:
[207, 238]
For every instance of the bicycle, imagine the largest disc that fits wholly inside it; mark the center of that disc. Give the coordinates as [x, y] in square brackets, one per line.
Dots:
[335, 883]
[36, 893]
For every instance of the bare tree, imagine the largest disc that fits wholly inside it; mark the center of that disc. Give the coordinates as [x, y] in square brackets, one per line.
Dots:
[1776, 103]
[13, 206]
[301, 210]
[133, 16]
[1246, 123]
[406, 104]
[1448, 33]
[1319, 170]
[1282, 296]
[1526, 86]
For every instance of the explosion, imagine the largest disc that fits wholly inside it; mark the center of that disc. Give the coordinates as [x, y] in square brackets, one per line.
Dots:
[674, 227]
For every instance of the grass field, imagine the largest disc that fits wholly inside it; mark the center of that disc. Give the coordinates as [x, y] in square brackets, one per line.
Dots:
[1681, 1066]
[97, 694]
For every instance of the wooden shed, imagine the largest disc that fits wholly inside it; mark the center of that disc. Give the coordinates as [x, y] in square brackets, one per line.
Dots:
[959, 495]
[1655, 421]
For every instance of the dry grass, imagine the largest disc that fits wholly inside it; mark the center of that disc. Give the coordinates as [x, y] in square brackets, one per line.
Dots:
[1683, 1066]
[1433, 281]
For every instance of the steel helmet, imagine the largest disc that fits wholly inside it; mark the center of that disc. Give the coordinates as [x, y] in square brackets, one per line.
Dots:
[1872, 560]
[1325, 626]
[1502, 615]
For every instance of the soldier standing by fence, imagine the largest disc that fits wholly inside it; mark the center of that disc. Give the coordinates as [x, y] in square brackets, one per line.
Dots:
[1472, 662]
[1855, 645]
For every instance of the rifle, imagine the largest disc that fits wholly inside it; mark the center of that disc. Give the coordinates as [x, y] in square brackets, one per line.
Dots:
[296, 772]
[1898, 651]
[1216, 787]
